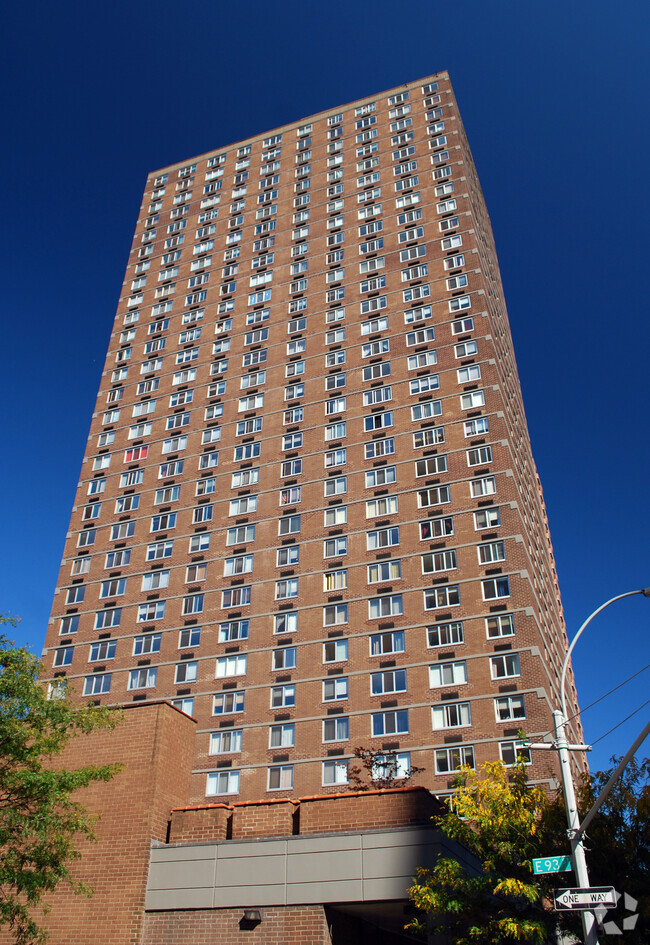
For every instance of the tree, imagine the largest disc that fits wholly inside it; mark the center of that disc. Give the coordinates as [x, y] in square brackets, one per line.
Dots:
[617, 843]
[495, 814]
[378, 770]
[39, 820]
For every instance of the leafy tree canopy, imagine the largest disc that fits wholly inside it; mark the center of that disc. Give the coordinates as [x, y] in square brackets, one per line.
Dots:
[39, 820]
[495, 814]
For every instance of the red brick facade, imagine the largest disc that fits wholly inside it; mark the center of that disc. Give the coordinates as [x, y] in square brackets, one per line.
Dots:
[288, 925]
[154, 743]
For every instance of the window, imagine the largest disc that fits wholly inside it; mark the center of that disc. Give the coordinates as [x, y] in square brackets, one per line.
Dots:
[335, 689]
[390, 642]
[384, 571]
[286, 557]
[426, 410]
[461, 325]
[436, 495]
[505, 666]
[241, 479]
[170, 494]
[476, 427]
[495, 588]
[147, 643]
[160, 523]
[63, 656]
[186, 672]
[511, 752]
[335, 547]
[451, 759]
[282, 736]
[479, 456]
[242, 564]
[446, 596]
[336, 729]
[379, 448]
[335, 614]
[335, 651]
[389, 606]
[152, 611]
[502, 625]
[382, 538]
[222, 782]
[422, 360]
[487, 518]
[387, 505]
[336, 486]
[436, 528]
[233, 630]
[292, 441]
[243, 506]
[190, 636]
[375, 372]
[226, 742]
[285, 623]
[439, 561]
[334, 772]
[160, 549]
[280, 778]
[104, 619]
[335, 431]
[283, 696]
[335, 458]
[390, 723]
[284, 657]
[286, 589]
[97, 685]
[378, 421]
[289, 525]
[199, 543]
[509, 708]
[393, 680]
[474, 399]
[112, 588]
[228, 666]
[236, 596]
[143, 678]
[491, 552]
[335, 580]
[451, 715]
[448, 674]
[155, 580]
[226, 703]
[86, 538]
[378, 395]
[338, 515]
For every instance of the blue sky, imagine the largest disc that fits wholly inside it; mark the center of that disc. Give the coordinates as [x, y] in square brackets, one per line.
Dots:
[554, 100]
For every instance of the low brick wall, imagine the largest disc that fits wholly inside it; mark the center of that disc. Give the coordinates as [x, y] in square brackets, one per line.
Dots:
[263, 819]
[400, 807]
[200, 824]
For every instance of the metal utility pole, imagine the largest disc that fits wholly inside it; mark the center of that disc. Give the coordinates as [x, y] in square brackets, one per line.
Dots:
[575, 832]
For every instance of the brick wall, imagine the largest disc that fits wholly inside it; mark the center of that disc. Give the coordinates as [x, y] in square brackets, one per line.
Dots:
[263, 819]
[289, 925]
[155, 744]
[200, 824]
[371, 810]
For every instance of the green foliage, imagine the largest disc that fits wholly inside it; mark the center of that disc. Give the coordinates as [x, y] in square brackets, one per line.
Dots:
[495, 815]
[39, 820]
[617, 843]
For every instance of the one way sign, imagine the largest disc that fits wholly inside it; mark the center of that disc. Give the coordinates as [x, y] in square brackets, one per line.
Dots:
[594, 897]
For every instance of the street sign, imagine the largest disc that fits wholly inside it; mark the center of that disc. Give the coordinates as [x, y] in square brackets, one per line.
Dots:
[552, 864]
[594, 897]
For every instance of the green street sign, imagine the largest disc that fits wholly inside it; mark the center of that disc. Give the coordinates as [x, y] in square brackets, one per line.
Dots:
[552, 864]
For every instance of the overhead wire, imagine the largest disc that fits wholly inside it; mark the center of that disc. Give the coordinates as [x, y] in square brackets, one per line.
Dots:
[600, 699]
[618, 724]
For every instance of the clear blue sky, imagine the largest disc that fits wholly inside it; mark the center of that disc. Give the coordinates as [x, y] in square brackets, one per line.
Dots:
[554, 99]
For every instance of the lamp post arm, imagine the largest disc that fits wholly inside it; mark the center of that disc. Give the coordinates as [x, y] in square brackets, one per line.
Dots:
[602, 797]
[646, 593]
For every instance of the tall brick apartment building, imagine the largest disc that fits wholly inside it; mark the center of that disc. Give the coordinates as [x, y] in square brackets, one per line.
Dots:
[308, 514]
